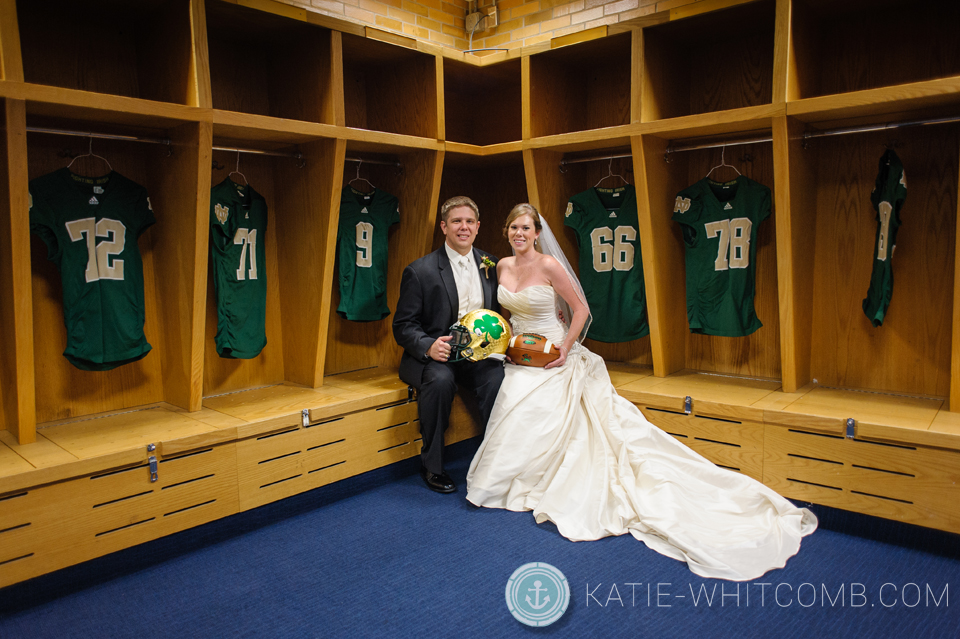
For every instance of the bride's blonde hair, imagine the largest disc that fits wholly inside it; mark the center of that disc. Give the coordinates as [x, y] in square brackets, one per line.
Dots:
[518, 211]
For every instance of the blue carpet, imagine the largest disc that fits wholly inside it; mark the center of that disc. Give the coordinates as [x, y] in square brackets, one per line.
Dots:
[380, 556]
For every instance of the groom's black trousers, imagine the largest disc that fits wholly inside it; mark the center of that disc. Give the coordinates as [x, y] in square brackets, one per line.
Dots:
[438, 385]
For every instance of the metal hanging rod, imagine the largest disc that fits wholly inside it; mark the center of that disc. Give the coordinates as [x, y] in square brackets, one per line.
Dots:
[164, 141]
[384, 162]
[102, 136]
[716, 145]
[809, 135]
[879, 127]
[295, 156]
[598, 158]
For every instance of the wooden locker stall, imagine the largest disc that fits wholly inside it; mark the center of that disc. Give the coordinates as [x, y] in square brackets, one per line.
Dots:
[268, 65]
[554, 184]
[580, 88]
[139, 50]
[482, 104]
[412, 176]
[391, 89]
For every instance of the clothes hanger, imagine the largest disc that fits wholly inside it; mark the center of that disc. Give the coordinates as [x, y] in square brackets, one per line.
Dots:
[361, 179]
[723, 162]
[237, 171]
[88, 154]
[610, 174]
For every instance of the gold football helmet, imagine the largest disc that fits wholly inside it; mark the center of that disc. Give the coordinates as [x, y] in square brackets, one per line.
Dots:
[479, 334]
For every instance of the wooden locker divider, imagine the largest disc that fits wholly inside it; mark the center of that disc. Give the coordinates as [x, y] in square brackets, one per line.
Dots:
[713, 62]
[10, 63]
[795, 245]
[18, 413]
[306, 260]
[657, 188]
[182, 192]
[139, 50]
[257, 59]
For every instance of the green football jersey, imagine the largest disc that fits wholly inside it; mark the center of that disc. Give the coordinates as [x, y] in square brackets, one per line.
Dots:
[887, 198]
[91, 227]
[719, 222]
[238, 228]
[365, 219]
[611, 271]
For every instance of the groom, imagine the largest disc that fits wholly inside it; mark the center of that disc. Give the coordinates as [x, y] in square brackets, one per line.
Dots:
[435, 292]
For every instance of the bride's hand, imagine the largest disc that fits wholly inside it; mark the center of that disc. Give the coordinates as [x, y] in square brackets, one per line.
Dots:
[559, 361]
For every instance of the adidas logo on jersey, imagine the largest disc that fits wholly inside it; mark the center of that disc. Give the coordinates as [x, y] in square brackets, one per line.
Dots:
[94, 200]
[728, 207]
[364, 210]
[612, 215]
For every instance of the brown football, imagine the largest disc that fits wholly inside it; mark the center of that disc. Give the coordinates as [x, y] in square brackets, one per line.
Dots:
[530, 349]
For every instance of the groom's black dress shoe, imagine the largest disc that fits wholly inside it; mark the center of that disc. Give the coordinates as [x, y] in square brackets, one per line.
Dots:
[439, 483]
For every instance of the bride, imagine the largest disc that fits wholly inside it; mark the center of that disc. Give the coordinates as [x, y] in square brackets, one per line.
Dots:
[562, 443]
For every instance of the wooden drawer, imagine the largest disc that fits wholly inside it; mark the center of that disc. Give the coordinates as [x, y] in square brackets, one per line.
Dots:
[727, 442]
[282, 464]
[907, 483]
[50, 527]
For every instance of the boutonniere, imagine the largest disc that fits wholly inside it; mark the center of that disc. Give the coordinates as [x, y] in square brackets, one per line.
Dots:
[485, 264]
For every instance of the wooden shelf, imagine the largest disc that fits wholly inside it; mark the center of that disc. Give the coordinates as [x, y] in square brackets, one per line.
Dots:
[492, 151]
[730, 123]
[84, 106]
[269, 130]
[609, 137]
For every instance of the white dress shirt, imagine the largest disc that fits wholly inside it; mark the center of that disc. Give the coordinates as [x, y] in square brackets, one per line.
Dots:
[466, 273]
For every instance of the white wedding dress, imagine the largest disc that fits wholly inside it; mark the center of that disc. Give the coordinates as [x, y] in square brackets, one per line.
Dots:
[562, 443]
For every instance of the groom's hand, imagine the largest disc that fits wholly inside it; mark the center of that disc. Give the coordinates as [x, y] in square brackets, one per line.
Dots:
[440, 349]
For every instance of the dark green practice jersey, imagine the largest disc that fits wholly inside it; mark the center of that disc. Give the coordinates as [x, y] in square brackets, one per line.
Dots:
[887, 198]
[365, 219]
[238, 227]
[719, 223]
[90, 227]
[611, 271]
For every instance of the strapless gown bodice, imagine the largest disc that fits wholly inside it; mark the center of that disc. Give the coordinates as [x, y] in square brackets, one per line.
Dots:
[533, 310]
[560, 442]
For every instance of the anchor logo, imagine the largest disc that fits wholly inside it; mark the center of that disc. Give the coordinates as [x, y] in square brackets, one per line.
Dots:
[537, 590]
[537, 594]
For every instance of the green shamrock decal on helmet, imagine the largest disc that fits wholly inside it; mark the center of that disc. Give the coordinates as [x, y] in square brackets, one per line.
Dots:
[489, 326]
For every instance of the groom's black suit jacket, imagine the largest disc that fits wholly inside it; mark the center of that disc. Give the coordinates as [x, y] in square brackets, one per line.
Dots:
[428, 306]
